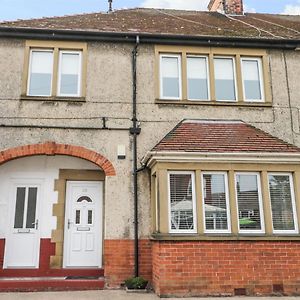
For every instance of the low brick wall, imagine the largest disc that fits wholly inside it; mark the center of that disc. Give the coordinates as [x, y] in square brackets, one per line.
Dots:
[201, 268]
[119, 261]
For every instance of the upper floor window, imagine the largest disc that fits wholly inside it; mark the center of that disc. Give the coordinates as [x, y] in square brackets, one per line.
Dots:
[252, 79]
[225, 83]
[170, 76]
[56, 70]
[212, 75]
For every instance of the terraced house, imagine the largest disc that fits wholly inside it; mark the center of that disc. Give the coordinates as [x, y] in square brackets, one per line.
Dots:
[150, 142]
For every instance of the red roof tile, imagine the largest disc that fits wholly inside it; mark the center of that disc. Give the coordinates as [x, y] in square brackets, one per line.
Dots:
[221, 136]
[172, 22]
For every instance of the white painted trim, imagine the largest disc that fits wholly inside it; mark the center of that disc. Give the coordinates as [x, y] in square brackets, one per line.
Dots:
[296, 230]
[260, 203]
[30, 66]
[193, 200]
[178, 56]
[261, 79]
[153, 157]
[207, 78]
[61, 52]
[226, 198]
[233, 58]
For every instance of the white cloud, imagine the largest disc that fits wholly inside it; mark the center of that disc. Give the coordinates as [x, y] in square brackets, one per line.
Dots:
[249, 9]
[177, 4]
[291, 9]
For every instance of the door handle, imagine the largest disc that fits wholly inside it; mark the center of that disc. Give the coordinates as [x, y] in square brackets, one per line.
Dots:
[69, 223]
[36, 224]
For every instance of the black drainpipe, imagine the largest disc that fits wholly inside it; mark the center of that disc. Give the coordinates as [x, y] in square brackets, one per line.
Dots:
[135, 131]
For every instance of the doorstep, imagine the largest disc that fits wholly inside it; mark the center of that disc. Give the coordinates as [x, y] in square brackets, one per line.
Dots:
[34, 284]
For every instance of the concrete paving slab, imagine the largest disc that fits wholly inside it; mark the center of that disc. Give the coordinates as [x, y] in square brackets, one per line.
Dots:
[111, 295]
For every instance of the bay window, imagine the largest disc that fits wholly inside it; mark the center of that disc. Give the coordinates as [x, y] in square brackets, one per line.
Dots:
[226, 203]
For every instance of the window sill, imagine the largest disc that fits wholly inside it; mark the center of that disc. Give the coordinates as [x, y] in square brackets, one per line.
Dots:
[214, 103]
[56, 98]
[223, 237]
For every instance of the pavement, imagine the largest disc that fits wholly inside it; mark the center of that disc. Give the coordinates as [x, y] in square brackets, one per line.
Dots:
[110, 295]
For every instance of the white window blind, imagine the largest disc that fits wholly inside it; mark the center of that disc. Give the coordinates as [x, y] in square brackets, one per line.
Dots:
[215, 199]
[170, 76]
[182, 202]
[40, 73]
[249, 203]
[225, 78]
[283, 203]
[197, 78]
[69, 73]
[252, 79]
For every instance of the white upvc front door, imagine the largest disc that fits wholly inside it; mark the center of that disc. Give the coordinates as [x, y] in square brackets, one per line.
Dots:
[22, 244]
[83, 224]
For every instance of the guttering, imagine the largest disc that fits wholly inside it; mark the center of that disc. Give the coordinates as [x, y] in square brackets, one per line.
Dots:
[147, 38]
[153, 157]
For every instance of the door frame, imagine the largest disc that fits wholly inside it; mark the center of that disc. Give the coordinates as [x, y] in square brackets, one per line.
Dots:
[14, 183]
[101, 223]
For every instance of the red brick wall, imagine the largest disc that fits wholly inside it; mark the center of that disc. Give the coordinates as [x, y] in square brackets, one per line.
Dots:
[2, 244]
[119, 261]
[232, 267]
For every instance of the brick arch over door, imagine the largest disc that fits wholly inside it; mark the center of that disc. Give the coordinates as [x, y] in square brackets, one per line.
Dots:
[52, 148]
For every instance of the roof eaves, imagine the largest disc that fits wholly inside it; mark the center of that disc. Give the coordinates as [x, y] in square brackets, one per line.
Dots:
[148, 38]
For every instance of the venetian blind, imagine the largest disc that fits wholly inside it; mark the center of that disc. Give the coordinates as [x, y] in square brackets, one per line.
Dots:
[248, 199]
[281, 202]
[181, 202]
[215, 202]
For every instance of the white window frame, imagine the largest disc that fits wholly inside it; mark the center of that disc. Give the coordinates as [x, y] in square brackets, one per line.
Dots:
[261, 78]
[61, 52]
[30, 68]
[233, 58]
[191, 231]
[296, 230]
[208, 78]
[260, 203]
[161, 56]
[227, 202]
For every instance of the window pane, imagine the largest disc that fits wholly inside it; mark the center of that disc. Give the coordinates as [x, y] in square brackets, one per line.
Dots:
[20, 204]
[90, 217]
[197, 78]
[224, 79]
[77, 217]
[170, 77]
[251, 77]
[69, 73]
[281, 201]
[41, 73]
[181, 202]
[248, 202]
[215, 202]
[31, 207]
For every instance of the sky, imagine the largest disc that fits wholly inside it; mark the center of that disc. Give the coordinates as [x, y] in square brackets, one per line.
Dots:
[26, 9]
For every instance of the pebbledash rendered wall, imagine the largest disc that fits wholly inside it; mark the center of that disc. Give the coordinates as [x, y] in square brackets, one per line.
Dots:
[186, 267]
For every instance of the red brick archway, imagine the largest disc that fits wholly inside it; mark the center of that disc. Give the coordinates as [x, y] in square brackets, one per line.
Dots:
[52, 148]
